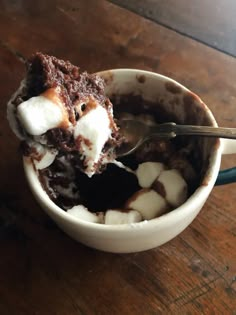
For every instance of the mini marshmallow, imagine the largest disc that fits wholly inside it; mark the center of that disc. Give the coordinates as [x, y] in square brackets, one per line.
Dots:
[113, 216]
[147, 172]
[41, 155]
[93, 130]
[82, 213]
[39, 114]
[46, 160]
[148, 202]
[175, 187]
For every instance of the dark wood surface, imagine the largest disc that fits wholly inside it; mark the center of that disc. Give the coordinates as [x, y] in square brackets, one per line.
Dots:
[42, 271]
[209, 21]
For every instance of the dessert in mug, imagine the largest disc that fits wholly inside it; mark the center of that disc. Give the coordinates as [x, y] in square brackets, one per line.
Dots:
[68, 129]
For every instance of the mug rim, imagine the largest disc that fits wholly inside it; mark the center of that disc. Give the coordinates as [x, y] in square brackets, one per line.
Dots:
[201, 191]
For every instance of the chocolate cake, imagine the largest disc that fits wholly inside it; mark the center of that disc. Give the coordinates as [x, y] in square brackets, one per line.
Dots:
[59, 110]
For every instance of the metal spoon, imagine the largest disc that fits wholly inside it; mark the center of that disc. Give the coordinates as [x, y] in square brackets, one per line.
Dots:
[136, 133]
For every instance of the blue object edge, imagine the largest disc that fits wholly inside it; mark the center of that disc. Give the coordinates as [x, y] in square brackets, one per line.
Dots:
[226, 176]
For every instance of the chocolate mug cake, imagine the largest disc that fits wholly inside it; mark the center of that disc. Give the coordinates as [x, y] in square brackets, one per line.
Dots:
[68, 129]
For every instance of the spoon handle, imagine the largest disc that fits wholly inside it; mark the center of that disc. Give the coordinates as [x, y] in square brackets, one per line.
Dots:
[220, 132]
[171, 130]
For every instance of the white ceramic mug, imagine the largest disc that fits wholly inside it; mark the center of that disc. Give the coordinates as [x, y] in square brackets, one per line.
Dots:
[145, 235]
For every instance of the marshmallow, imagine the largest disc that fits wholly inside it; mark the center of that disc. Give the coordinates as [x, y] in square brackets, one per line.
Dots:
[46, 160]
[41, 155]
[39, 114]
[92, 131]
[148, 202]
[113, 216]
[82, 213]
[147, 173]
[175, 187]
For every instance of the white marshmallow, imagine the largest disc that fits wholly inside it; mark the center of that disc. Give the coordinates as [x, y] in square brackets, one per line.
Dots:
[39, 114]
[147, 172]
[175, 187]
[93, 130]
[41, 155]
[113, 216]
[46, 160]
[82, 213]
[148, 202]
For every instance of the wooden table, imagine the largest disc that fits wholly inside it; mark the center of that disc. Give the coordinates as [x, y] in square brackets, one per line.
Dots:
[44, 272]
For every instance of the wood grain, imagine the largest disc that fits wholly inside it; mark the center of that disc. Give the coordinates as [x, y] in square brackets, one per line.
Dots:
[42, 271]
[210, 22]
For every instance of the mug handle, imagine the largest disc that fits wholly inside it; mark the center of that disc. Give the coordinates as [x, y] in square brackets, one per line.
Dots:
[227, 176]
